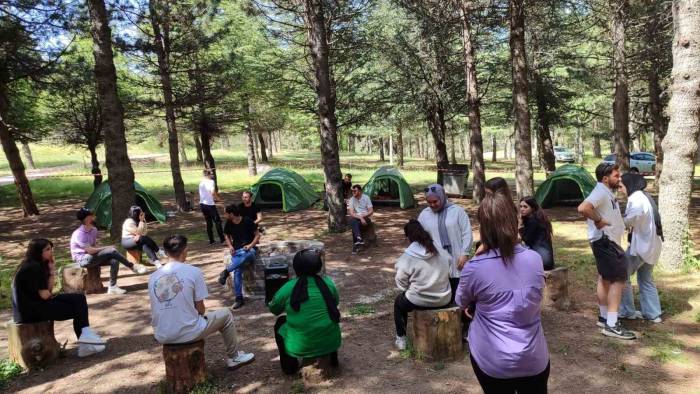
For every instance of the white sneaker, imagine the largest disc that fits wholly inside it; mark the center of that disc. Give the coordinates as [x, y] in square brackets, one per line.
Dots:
[656, 320]
[637, 315]
[90, 337]
[161, 253]
[85, 349]
[139, 269]
[400, 342]
[241, 359]
[115, 290]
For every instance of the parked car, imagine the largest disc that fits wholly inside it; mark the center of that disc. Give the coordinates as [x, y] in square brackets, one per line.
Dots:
[642, 162]
[564, 154]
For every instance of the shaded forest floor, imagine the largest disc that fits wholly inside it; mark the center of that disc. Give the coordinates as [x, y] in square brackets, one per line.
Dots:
[664, 359]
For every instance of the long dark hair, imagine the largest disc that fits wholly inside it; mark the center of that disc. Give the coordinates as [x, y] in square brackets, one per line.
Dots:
[539, 215]
[415, 232]
[35, 249]
[498, 220]
[135, 212]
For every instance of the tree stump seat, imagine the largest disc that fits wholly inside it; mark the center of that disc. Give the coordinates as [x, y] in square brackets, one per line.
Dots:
[32, 345]
[251, 281]
[369, 234]
[134, 256]
[317, 369]
[556, 289]
[185, 366]
[436, 334]
[81, 280]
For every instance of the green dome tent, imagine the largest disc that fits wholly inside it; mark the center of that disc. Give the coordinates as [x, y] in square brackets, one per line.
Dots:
[388, 187]
[100, 202]
[568, 185]
[283, 188]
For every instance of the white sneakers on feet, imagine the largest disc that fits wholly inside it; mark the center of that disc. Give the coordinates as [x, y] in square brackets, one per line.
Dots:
[90, 337]
[400, 342]
[139, 269]
[241, 359]
[115, 290]
[85, 349]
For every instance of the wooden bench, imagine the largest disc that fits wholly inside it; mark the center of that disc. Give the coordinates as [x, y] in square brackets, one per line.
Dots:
[556, 289]
[32, 345]
[316, 370]
[82, 280]
[185, 366]
[436, 334]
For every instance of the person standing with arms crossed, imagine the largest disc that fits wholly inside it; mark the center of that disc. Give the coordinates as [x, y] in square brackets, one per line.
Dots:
[605, 230]
[207, 204]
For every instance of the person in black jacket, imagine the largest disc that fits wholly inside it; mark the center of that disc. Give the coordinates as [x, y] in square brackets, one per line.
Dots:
[536, 230]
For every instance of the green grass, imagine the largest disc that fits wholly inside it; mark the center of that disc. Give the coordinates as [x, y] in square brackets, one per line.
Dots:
[361, 309]
[664, 348]
[8, 371]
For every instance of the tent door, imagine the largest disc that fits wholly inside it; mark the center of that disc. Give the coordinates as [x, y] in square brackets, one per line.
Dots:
[269, 196]
[387, 193]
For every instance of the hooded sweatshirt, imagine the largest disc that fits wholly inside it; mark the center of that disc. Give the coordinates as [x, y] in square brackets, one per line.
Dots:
[424, 276]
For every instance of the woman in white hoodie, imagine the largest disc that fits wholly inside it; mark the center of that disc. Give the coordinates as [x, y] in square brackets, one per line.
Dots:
[422, 274]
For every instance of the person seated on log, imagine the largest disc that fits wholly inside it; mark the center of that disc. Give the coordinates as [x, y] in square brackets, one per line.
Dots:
[250, 210]
[242, 236]
[536, 230]
[360, 209]
[33, 302]
[310, 328]
[86, 253]
[422, 275]
[505, 281]
[178, 315]
[134, 236]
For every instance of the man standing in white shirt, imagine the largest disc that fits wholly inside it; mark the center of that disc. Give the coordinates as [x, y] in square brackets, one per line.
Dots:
[605, 230]
[178, 315]
[360, 210]
[207, 204]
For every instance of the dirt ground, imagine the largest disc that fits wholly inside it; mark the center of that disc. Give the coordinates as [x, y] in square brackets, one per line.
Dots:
[582, 360]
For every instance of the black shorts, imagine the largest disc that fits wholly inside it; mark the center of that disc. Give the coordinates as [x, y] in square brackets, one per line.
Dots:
[610, 260]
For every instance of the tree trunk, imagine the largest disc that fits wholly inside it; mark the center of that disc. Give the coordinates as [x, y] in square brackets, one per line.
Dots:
[596, 146]
[476, 142]
[121, 175]
[621, 102]
[262, 148]
[185, 366]
[250, 141]
[209, 162]
[399, 144]
[657, 121]
[315, 21]
[579, 145]
[198, 147]
[390, 144]
[436, 124]
[161, 45]
[32, 345]
[493, 148]
[453, 147]
[183, 151]
[269, 144]
[544, 137]
[437, 333]
[381, 149]
[94, 162]
[681, 142]
[28, 155]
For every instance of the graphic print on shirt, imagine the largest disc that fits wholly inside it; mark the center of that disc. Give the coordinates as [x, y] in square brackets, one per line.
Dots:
[166, 288]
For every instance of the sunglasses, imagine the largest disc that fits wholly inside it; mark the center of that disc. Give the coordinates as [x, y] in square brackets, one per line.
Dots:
[430, 189]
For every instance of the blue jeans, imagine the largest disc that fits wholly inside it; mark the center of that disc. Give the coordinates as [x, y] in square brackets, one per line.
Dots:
[648, 295]
[239, 258]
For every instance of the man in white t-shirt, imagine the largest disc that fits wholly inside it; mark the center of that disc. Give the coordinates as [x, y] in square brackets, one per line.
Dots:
[207, 204]
[178, 315]
[605, 231]
[360, 209]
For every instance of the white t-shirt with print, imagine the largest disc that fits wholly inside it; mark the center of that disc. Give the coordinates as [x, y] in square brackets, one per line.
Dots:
[360, 206]
[173, 290]
[206, 192]
[605, 203]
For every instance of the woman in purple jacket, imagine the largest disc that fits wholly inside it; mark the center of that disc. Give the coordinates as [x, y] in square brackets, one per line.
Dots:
[504, 282]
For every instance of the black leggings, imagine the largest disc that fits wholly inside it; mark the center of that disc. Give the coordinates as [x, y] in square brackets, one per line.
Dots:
[62, 307]
[211, 215]
[145, 243]
[536, 384]
[401, 308]
[290, 364]
[111, 257]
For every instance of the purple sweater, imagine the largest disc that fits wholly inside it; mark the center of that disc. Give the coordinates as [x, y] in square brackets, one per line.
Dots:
[506, 337]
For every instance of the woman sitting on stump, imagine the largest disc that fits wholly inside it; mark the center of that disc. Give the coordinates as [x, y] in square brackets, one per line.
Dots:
[134, 236]
[536, 231]
[422, 274]
[311, 326]
[33, 302]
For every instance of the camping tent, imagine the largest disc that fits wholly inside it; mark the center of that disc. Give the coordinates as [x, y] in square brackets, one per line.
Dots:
[388, 187]
[100, 202]
[283, 188]
[568, 185]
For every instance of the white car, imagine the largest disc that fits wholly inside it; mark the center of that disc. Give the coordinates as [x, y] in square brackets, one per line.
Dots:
[564, 154]
[642, 162]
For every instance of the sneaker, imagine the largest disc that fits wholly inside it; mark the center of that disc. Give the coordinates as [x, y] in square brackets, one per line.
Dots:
[637, 315]
[115, 290]
[400, 342]
[359, 241]
[656, 320]
[90, 337]
[139, 269]
[222, 277]
[601, 322]
[241, 359]
[85, 349]
[161, 253]
[237, 304]
[354, 249]
[618, 332]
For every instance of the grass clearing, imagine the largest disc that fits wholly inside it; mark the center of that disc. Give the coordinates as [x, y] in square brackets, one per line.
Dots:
[361, 310]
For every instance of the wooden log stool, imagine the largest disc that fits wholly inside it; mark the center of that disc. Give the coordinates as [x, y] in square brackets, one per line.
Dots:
[32, 345]
[369, 234]
[250, 285]
[316, 370]
[184, 366]
[134, 256]
[436, 334]
[82, 280]
[556, 289]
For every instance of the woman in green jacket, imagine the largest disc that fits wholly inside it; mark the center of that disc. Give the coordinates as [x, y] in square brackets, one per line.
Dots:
[311, 326]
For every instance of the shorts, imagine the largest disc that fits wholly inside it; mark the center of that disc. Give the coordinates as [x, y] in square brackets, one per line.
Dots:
[610, 260]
